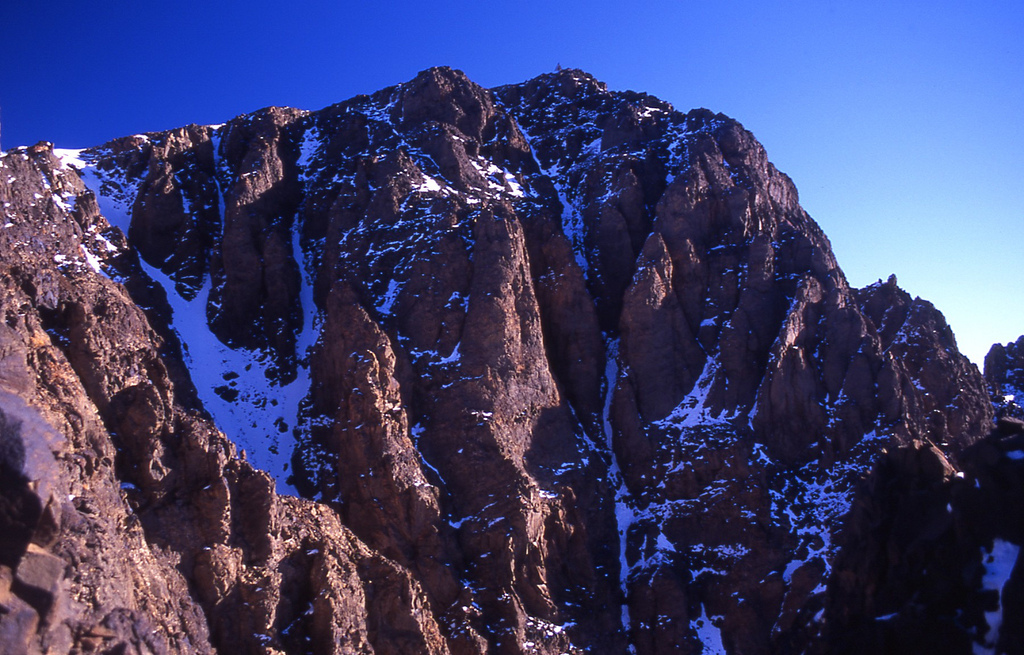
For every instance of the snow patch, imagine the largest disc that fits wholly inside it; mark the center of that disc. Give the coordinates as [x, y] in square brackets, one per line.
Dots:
[999, 563]
[115, 192]
[390, 296]
[572, 220]
[455, 356]
[499, 179]
[693, 410]
[91, 259]
[428, 184]
[70, 158]
[625, 515]
[311, 144]
[258, 414]
[708, 633]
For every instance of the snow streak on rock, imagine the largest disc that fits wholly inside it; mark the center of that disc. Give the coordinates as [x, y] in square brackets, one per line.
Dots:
[999, 562]
[583, 368]
[256, 411]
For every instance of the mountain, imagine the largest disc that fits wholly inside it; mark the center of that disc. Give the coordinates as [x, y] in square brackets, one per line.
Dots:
[1004, 372]
[545, 368]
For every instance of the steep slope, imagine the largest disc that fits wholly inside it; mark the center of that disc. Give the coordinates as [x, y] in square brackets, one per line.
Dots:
[753, 387]
[1004, 372]
[137, 528]
[933, 559]
[574, 368]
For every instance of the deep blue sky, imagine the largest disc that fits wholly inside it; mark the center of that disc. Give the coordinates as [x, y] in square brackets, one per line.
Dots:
[900, 122]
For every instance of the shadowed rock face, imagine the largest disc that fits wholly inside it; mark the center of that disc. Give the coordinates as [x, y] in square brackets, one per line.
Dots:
[133, 527]
[556, 369]
[1004, 372]
[916, 515]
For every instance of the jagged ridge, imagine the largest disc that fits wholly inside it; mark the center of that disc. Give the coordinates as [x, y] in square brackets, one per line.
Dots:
[574, 364]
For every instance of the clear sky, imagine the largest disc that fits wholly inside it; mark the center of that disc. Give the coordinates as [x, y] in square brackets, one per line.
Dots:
[900, 122]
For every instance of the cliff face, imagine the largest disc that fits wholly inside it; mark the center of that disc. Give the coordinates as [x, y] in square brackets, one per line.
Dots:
[544, 368]
[1004, 372]
[129, 521]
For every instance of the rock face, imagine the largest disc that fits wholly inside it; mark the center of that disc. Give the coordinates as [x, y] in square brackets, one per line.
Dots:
[918, 515]
[1004, 372]
[544, 368]
[131, 525]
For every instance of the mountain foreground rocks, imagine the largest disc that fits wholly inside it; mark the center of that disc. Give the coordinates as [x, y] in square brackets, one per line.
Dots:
[545, 368]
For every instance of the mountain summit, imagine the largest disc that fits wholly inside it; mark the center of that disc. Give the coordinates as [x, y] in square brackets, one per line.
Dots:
[545, 368]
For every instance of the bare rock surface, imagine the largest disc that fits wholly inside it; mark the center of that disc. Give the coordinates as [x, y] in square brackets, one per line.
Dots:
[1004, 372]
[546, 368]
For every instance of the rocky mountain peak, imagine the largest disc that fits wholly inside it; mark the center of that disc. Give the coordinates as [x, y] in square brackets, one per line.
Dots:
[445, 96]
[542, 368]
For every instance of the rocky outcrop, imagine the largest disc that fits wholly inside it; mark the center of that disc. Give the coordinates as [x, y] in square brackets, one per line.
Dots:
[133, 525]
[1004, 372]
[916, 515]
[953, 404]
[545, 368]
[754, 387]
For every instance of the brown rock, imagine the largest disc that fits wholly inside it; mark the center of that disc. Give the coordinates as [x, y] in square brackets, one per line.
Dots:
[19, 621]
[1004, 372]
[37, 579]
[577, 353]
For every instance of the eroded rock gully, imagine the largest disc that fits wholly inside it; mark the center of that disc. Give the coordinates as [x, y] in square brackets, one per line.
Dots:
[544, 368]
